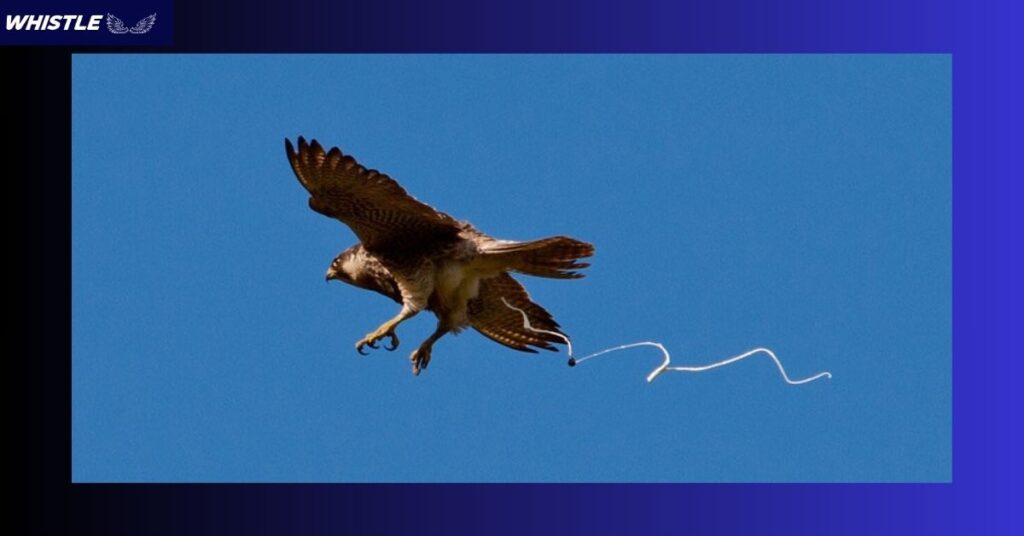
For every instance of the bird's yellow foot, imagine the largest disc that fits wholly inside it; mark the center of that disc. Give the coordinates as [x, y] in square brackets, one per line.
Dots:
[372, 339]
[420, 359]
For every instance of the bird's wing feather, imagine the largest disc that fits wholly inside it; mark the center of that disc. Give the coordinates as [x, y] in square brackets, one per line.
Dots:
[493, 319]
[387, 220]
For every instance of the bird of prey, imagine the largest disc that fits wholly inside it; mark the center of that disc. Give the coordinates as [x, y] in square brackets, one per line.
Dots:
[425, 259]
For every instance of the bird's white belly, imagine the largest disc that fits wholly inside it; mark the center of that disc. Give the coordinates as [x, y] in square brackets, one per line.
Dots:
[456, 284]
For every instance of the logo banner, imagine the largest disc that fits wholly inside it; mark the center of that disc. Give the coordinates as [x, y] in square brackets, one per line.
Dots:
[124, 23]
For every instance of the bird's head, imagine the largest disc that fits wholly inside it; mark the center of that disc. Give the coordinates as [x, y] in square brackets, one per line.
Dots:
[346, 267]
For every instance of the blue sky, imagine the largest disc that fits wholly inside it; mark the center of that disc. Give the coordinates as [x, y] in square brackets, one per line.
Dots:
[801, 203]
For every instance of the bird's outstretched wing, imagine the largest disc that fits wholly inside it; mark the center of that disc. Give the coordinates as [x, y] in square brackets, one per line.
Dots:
[496, 321]
[388, 221]
[144, 25]
[116, 25]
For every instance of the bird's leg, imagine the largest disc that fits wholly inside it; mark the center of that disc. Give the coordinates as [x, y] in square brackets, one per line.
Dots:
[387, 329]
[421, 356]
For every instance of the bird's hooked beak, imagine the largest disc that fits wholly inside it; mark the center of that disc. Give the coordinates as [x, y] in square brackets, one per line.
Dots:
[331, 274]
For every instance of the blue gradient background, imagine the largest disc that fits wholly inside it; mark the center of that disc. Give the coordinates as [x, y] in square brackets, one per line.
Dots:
[983, 38]
[796, 202]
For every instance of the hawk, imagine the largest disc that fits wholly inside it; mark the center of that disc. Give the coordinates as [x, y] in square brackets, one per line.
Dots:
[425, 259]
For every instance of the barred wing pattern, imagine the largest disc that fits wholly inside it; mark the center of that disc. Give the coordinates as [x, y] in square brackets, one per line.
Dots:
[489, 316]
[388, 221]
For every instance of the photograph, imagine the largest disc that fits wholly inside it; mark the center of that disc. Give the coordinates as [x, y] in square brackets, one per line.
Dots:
[407, 268]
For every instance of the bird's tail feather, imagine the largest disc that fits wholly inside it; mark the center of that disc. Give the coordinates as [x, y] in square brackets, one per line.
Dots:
[554, 257]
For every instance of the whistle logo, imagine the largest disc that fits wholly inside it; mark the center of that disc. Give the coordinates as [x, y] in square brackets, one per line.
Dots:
[117, 26]
[76, 23]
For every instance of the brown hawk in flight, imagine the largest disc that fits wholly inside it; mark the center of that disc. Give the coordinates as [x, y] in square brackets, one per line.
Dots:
[425, 259]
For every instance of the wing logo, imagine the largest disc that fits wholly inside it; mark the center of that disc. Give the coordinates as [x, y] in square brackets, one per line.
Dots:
[117, 26]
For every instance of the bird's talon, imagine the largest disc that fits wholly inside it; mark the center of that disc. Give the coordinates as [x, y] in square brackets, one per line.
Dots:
[374, 338]
[420, 359]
